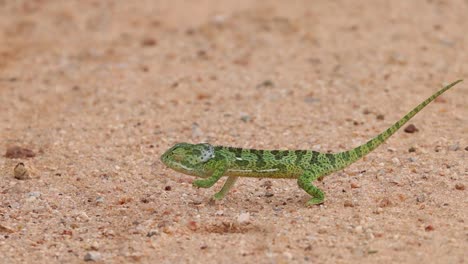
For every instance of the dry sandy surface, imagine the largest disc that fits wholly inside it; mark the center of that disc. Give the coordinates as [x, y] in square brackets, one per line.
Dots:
[98, 90]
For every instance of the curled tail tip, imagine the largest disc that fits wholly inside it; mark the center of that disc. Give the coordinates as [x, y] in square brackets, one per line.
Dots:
[455, 82]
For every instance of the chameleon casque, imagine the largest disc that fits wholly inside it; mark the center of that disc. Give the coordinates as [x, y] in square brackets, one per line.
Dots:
[212, 162]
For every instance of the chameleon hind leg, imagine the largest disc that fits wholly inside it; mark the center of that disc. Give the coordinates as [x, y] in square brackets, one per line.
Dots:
[305, 183]
[226, 187]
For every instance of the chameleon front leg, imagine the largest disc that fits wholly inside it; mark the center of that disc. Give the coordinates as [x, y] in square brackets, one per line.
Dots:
[207, 183]
[305, 183]
[226, 187]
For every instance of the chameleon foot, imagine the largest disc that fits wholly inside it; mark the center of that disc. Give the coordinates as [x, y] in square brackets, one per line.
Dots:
[207, 183]
[315, 201]
[218, 196]
[304, 183]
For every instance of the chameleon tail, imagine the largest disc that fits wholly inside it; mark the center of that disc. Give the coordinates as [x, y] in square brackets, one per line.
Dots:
[346, 158]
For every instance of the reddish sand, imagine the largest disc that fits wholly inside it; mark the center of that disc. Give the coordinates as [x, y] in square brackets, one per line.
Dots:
[98, 90]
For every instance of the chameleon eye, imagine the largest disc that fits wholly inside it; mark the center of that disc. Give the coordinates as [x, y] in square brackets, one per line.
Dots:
[207, 152]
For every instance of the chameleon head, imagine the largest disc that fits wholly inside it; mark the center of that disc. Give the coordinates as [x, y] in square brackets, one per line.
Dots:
[189, 158]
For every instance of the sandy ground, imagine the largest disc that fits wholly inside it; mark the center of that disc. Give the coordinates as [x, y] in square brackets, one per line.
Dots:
[98, 90]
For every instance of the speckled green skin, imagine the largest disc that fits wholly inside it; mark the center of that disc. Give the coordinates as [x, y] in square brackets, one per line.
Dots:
[212, 162]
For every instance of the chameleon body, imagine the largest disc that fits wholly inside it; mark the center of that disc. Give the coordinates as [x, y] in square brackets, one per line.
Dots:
[210, 163]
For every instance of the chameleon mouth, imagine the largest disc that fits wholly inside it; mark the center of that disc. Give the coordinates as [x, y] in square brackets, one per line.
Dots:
[173, 164]
[163, 158]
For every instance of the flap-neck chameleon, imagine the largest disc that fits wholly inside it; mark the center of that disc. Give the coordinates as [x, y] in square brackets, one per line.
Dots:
[212, 162]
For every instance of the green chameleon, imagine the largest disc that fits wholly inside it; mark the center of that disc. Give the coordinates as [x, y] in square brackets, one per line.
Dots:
[212, 162]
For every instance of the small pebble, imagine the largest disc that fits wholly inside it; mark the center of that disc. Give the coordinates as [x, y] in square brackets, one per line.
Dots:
[245, 118]
[266, 83]
[354, 185]
[243, 218]
[411, 129]
[219, 19]
[466, 148]
[99, 199]
[82, 216]
[310, 99]
[219, 212]
[385, 202]
[203, 96]
[348, 203]
[197, 201]
[148, 42]
[421, 198]
[390, 149]
[396, 161]
[267, 184]
[196, 130]
[20, 172]
[460, 186]
[429, 228]
[94, 245]
[380, 117]
[192, 225]
[34, 194]
[168, 188]
[454, 147]
[322, 230]
[396, 180]
[358, 229]
[153, 232]
[92, 256]
[412, 149]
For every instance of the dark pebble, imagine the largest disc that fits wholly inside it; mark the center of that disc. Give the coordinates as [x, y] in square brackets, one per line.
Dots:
[148, 42]
[429, 228]
[411, 129]
[266, 83]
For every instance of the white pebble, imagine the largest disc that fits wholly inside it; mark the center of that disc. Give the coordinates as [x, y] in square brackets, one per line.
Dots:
[358, 229]
[92, 256]
[34, 194]
[219, 212]
[243, 218]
